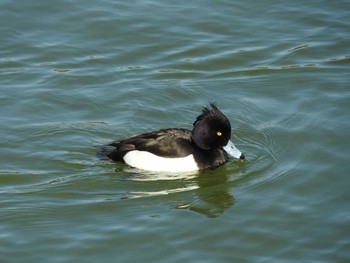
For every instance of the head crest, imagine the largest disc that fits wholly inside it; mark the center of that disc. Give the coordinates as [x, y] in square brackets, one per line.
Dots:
[207, 112]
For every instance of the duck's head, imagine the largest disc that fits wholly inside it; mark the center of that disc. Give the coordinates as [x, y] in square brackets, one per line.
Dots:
[212, 130]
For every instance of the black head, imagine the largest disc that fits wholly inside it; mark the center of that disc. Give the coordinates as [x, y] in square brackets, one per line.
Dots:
[211, 130]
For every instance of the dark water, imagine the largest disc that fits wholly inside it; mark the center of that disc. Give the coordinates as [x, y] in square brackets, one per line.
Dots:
[78, 74]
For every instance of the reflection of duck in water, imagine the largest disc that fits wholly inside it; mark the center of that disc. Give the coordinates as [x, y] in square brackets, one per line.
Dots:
[212, 197]
[180, 150]
[206, 193]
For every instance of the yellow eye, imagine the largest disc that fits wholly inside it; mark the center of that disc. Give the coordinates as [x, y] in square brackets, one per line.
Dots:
[218, 133]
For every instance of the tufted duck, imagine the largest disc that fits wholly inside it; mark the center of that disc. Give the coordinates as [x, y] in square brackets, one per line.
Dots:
[180, 150]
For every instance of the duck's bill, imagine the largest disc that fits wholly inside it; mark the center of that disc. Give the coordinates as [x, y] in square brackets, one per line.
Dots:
[233, 151]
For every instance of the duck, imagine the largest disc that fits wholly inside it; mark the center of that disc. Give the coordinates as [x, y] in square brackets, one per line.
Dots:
[207, 146]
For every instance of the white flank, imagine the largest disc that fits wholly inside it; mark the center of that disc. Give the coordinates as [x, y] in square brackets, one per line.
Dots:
[151, 162]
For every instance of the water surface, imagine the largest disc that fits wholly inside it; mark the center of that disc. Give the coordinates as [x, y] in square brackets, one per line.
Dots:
[77, 75]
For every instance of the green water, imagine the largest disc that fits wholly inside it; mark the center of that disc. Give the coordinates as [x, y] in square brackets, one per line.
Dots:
[75, 75]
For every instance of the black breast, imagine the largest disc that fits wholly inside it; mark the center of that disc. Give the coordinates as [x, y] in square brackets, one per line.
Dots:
[210, 158]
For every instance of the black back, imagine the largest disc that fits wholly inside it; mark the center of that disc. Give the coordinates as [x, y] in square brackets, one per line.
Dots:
[169, 143]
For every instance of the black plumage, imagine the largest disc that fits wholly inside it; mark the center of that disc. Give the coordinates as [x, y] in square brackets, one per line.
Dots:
[211, 132]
